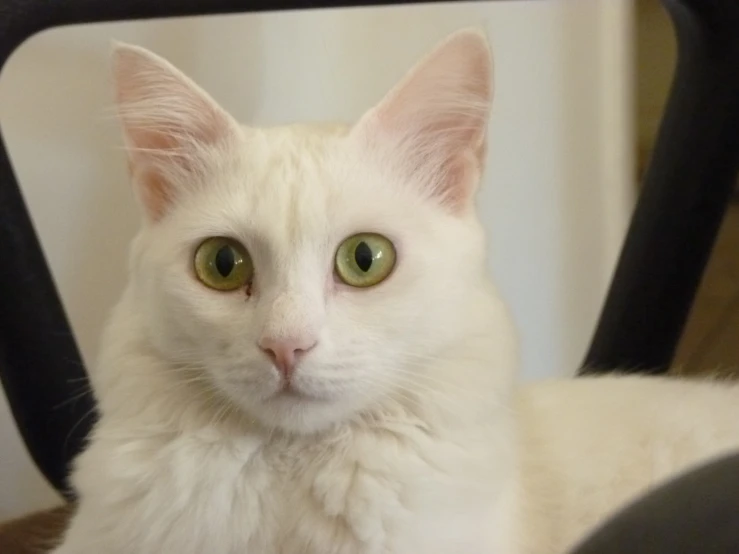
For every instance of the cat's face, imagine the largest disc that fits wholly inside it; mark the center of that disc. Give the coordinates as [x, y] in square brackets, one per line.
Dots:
[305, 272]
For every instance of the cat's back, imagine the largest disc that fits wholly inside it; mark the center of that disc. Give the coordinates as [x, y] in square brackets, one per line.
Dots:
[621, 410]
[588, 445]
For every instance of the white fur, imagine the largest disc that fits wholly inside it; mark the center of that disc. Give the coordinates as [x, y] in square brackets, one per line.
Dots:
[408, 435]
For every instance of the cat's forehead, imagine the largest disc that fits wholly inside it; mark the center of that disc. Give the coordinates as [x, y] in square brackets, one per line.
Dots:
[292, 157]
[298, 182]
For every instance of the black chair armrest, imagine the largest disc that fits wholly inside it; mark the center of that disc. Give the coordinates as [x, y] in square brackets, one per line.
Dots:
[695, 513]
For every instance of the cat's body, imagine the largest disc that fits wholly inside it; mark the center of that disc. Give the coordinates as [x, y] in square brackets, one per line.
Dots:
[170, 471]
[216, 483]
[307, 409]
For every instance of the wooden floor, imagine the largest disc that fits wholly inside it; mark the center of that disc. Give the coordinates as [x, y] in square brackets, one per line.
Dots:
[710, 343]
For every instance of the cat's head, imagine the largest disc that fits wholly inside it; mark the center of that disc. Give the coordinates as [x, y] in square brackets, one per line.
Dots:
[311, 273]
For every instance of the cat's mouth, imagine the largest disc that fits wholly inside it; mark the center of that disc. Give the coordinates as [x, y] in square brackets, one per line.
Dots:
[289, 391]
[300, 392]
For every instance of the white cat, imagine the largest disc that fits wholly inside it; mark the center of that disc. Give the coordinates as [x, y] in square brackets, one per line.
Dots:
[310, 357]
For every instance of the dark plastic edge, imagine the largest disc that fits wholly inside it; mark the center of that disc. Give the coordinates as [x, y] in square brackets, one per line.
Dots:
[687, 188]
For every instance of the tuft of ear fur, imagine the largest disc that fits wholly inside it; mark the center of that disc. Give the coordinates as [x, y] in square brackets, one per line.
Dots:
[434, 121]
[169, 123]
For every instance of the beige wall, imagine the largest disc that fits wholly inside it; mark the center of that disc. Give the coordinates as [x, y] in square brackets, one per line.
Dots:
[555, 202]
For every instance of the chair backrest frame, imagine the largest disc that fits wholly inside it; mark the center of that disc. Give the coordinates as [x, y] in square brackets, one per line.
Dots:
[687, 188]
[668, 243]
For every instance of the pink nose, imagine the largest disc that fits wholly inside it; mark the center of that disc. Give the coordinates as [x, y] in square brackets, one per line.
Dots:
[285, 352]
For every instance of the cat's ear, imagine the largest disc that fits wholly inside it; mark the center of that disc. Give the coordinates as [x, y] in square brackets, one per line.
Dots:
[170, 125]
[434, 122]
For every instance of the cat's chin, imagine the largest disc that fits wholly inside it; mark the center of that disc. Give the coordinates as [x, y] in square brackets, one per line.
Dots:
[292, 395]
[295, 411]
[301, 414]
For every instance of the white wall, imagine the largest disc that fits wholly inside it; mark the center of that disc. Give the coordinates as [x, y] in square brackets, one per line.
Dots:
[556, 199]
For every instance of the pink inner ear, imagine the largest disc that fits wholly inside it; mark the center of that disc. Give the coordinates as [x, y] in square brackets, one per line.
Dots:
[205, 126]
[436, 118]
[156, 194]
[461, 175]
[169, 123]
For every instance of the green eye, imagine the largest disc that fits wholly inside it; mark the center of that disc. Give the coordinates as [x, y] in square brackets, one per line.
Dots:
[365, 259]
[223, 264]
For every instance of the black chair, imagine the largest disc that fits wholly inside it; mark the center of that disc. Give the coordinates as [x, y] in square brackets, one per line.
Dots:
[688, 185]
[687, 188]
[697, 513]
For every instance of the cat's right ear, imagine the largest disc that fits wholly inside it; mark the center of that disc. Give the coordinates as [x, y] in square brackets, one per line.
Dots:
[170, 125]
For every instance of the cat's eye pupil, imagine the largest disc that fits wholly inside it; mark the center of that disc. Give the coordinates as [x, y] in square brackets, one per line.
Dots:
[224, 261]
[363, 256]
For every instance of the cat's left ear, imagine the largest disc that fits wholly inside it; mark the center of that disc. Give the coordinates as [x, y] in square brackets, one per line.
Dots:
[432, 125]
[171, 126]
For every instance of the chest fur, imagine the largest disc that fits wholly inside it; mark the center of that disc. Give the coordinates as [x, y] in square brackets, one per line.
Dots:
[360, 496]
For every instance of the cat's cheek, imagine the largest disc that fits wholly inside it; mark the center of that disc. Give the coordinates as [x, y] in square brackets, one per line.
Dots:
[246, 385]
[203, 326]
